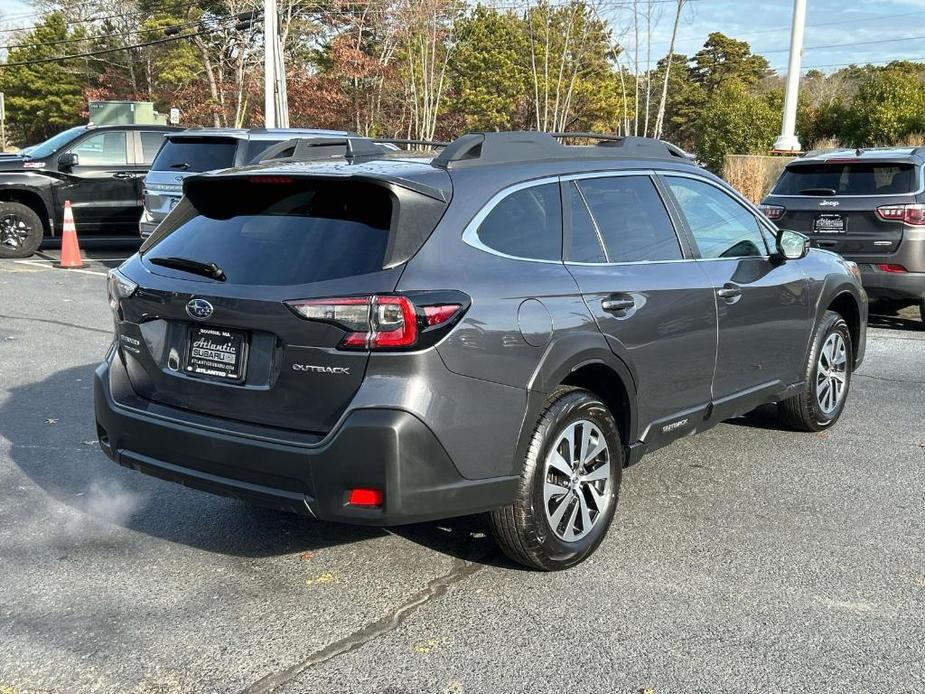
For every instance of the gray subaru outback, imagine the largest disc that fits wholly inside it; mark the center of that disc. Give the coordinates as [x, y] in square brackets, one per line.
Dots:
[385, 338]
[866, 205]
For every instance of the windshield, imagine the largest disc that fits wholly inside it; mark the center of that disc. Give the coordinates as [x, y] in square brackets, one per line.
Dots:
[195, 155]
[54, 143]
[847, 179]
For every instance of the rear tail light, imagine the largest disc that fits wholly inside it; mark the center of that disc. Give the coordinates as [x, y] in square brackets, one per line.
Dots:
[773, 212]
[118, 287]
[383, 321]
[912, 214]
[889, 267]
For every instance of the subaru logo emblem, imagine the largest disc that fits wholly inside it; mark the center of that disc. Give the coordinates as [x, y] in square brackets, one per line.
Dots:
[200, 309]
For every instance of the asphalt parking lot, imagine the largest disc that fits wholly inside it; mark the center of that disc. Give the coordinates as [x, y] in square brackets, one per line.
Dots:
[745, 559]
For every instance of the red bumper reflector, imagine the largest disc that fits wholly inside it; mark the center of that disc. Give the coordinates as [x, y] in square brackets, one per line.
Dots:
[365, 497]
[892, 268]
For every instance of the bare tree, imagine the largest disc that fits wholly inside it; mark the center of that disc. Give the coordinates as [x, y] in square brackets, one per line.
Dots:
[660, 118]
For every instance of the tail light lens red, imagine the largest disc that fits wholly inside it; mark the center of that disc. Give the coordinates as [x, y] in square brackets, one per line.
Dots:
[380, 321]
[773, 212]
[889, 267]
[912, 214]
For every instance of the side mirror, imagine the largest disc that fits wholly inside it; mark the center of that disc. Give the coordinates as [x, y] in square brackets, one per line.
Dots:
[68, 161]
[792, 245]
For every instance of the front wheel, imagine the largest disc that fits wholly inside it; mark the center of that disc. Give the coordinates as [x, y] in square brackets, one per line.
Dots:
[828, 378]
[569, 485]
[21, 230]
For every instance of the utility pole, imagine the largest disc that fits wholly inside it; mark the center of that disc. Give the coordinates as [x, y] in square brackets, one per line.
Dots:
[788, 141]
[275, 102]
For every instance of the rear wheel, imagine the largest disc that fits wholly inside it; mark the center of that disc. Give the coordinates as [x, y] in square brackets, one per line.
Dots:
[21, 230]
[828, 378]
[569, 485]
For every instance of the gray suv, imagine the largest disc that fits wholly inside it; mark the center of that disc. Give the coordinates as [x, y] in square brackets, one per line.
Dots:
[385, 339]
[866, 205]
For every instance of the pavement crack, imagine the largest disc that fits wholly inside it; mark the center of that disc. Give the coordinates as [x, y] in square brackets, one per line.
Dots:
[57, 322]
[435, 588]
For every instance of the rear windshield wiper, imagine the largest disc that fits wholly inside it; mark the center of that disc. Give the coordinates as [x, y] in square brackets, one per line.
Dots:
[183, 165]
[818, 191]
[188, 265]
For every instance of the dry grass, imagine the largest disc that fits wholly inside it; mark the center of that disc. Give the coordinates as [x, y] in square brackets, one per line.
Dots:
[753, 175]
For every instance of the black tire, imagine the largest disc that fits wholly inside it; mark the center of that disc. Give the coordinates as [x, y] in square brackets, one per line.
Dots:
[522, 529]
[922, 312]
[21, 230]
[804, 412]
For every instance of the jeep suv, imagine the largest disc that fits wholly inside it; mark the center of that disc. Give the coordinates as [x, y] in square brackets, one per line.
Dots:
[206, 149]
[868, 206]
[385, 339]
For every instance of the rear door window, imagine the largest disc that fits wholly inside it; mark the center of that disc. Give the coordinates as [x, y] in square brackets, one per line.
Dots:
[631, 219]
[847, 179]
[285, 234]
[526, 224]
[721, 225]
[195, 155]
[151, 141]
[257, 147]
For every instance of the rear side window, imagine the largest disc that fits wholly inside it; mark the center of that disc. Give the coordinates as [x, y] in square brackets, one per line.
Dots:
[847, 179]
[526, 224]
[722, 227]
[195, 155]
[150, 143]
[286, 234]
[257, 147]
[584, 243]
[631, 219]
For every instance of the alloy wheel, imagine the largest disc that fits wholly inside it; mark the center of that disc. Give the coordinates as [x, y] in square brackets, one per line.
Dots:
[832, 373]
[13, 231]
[577, 483]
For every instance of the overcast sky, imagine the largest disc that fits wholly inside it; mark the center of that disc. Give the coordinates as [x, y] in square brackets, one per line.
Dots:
[845, 31]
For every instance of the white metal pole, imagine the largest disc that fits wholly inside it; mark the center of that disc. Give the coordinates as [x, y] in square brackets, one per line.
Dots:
[269, 63]
[282, 97]
[788, 141]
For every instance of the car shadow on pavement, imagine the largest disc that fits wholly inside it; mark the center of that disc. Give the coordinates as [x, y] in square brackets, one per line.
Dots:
[893, 322]
[763, 417]
[52, 434]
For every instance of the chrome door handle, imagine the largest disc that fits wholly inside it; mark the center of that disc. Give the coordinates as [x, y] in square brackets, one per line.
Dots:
[615, 305]
[729, 292]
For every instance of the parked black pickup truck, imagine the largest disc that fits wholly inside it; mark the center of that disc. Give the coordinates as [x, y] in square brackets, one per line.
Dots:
[99, 169]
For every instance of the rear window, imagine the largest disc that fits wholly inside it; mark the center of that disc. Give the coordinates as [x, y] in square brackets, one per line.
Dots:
[284, 234]
[195, 155]
[847, 179]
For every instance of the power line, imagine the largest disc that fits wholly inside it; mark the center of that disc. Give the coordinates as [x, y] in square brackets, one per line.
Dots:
[104, 51]
[102, 37]
[120, 15]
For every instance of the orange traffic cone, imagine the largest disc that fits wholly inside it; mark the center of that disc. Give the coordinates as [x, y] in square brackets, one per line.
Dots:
[70, 249]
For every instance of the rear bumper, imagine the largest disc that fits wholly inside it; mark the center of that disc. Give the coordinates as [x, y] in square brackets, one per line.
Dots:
[897, 286]
[389, 450]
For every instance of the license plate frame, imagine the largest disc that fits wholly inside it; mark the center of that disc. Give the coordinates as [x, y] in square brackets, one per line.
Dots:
[216, 353]
[830, 223]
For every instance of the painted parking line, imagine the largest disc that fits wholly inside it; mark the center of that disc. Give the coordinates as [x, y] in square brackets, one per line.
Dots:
[46, 265]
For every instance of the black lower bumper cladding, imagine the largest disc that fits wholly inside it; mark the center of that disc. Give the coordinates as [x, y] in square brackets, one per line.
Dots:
[385, 449]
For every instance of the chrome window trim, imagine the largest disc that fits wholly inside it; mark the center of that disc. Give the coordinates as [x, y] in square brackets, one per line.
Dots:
[471, 238]
[735, 195]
